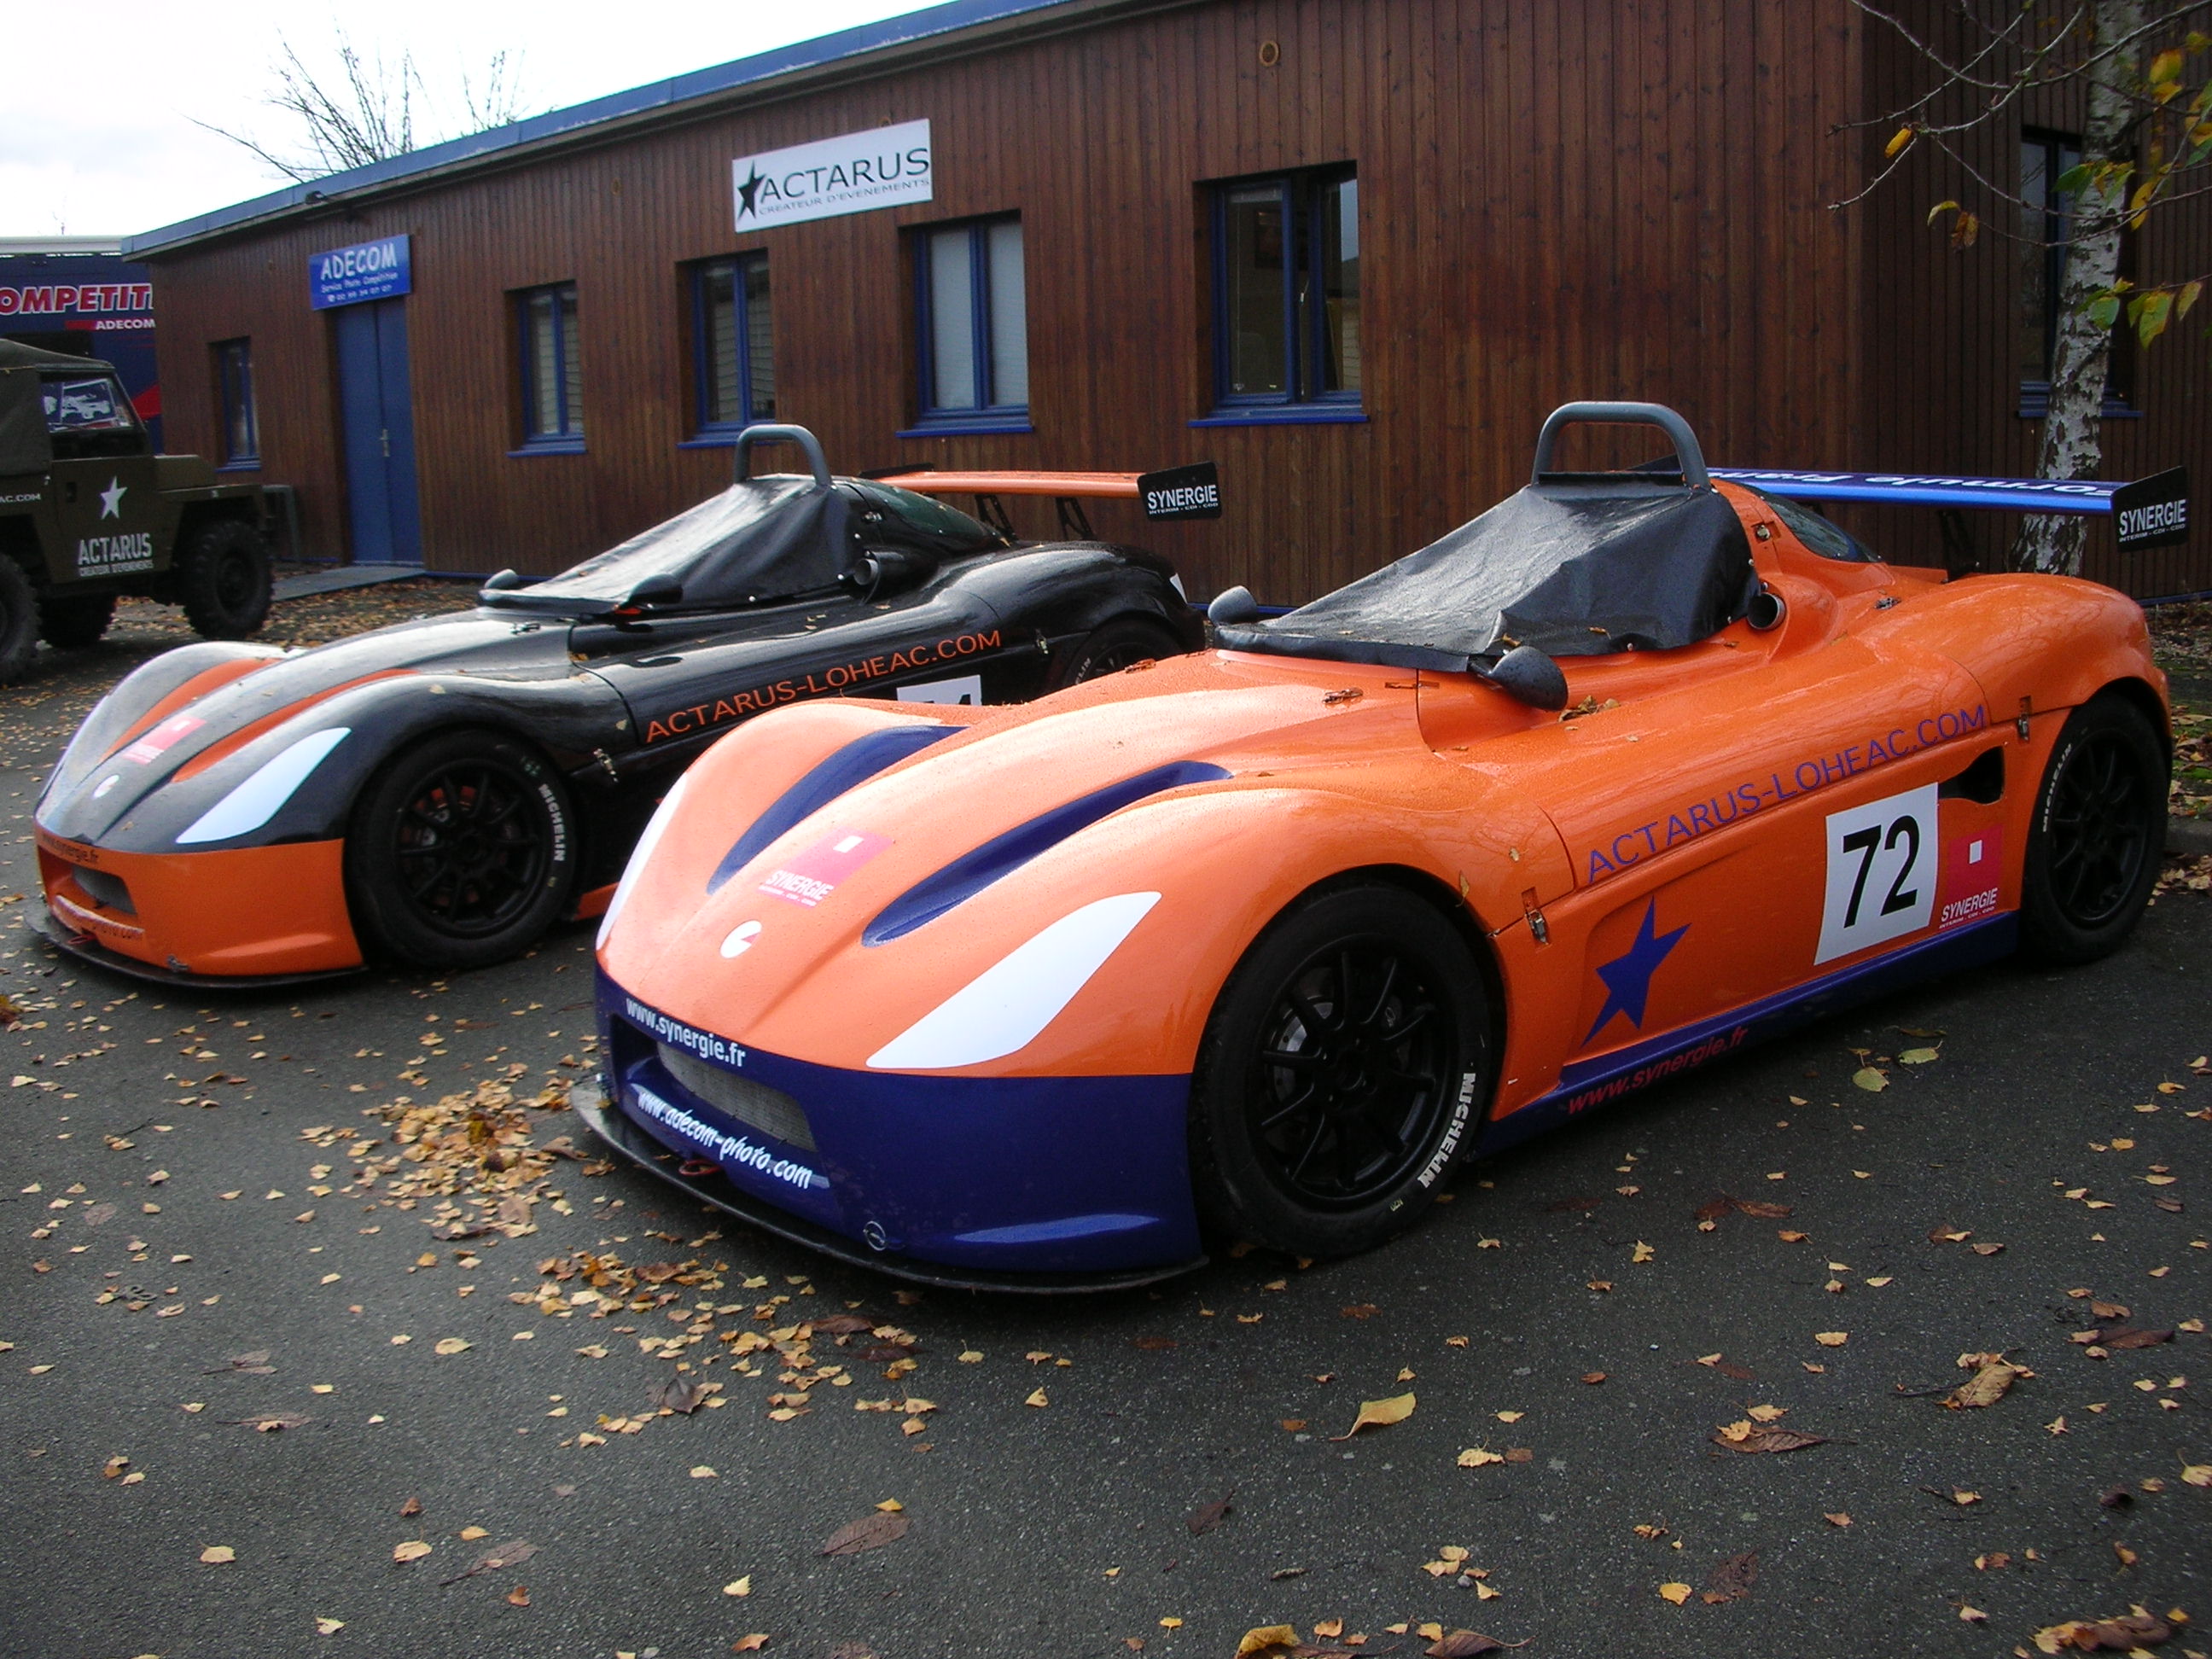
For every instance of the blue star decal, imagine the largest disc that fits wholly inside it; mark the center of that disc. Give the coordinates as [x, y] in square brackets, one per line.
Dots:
[1628, 978]
[746, 192]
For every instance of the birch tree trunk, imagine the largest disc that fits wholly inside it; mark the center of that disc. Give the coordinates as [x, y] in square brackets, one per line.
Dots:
[2072, 444]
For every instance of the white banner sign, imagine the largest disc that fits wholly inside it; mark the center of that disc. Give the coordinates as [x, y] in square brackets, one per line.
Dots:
[879, 168]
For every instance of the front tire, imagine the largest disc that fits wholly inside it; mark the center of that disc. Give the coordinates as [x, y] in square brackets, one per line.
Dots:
[1341, 1073]
[2100, 827]
[19, 621]
[1112, 646]
[461, 853]
[76, 622]
[224, 579]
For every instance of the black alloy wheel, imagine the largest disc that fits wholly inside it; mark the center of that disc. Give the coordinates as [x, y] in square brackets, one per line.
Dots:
[461, 853]
[1340, 1074]
[1112, 646]
[2098, 833]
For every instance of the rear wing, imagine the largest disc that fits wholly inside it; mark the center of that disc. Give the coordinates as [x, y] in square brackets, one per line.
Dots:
[2153, 512]
[1182, 492]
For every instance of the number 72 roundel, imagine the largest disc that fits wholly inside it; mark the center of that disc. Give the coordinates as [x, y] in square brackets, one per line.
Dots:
[1882, 869]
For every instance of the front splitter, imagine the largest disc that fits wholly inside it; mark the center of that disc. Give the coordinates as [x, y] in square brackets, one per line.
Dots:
[85, 948]
[590, 1103]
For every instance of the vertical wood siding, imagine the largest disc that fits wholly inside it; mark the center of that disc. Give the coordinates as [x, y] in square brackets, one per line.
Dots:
[1558, 199]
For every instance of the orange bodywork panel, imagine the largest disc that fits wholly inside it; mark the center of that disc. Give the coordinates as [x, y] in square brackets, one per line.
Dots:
[181, 911]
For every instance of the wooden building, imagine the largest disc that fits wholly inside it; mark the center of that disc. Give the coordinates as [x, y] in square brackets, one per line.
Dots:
[1351, 250]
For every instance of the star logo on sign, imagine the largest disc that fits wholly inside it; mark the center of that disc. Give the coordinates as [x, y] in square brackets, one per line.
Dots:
[111, 498]
[746, 193]
[1628, 978]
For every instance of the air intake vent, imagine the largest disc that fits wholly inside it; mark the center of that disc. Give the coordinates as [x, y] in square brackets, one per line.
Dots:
[104, 889]
[756, 1105]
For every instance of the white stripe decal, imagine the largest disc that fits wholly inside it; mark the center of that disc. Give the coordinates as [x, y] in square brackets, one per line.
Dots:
[259, 798]
[639, 855]
[1005, 1006]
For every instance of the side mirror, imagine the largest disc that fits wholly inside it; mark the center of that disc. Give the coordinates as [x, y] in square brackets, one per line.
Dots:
[875, 569]
[1232, 606]
[1526, 675]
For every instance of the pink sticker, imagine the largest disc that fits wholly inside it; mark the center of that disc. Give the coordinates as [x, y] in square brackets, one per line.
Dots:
[814, 874]
[1973, 870]
[169, 732]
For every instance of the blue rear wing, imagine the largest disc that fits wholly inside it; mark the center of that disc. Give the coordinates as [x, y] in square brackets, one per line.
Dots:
[2152, 513]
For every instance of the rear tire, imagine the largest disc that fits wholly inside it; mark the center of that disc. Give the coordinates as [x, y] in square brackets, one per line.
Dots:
[224, 579]
[1323, 1117]
[461, 853]
[75, 622]
[19, 621]
[1111, 647]
[2100, 828]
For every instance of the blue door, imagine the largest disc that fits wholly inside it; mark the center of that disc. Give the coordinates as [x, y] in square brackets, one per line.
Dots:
[377, 413]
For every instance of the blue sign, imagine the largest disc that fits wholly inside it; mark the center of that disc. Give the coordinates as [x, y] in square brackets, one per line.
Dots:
[367, 271]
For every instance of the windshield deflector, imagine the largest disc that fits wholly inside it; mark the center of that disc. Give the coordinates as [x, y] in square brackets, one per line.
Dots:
[1577, 565]
[761, 539]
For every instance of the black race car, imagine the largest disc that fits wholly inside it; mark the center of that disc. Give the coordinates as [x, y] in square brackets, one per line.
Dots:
[443, 791]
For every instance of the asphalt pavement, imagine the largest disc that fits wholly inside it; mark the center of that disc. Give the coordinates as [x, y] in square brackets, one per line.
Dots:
[316, 1337]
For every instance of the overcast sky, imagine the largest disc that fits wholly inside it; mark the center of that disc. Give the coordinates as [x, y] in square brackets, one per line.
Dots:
[99, 138]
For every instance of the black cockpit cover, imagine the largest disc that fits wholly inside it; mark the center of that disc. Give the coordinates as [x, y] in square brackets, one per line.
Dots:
[1576, 566]
[760, 540]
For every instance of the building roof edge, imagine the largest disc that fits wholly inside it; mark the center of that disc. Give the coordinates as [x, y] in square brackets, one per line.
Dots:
[758, 72]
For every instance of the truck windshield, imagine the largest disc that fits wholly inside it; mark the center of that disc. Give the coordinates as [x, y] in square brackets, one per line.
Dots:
[89, 416]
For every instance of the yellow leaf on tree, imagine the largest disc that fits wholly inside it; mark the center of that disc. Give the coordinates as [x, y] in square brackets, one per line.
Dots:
[1266, 1638]
[1897, 141]
[1379, 1414]
[1677, 1594]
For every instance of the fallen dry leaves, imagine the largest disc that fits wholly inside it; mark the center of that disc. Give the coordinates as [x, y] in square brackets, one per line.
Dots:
[1993, 1377]
[2137, 1628]
[870, 1532]
[1379, 1414]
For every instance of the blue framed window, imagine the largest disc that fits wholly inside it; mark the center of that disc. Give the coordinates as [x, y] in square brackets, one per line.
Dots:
[241, 425]
[973, 311]
[2046, 227]
[1286, 336]
[552, 368]
[734, 362]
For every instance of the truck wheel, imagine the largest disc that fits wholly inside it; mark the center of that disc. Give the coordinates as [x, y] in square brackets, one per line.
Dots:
[19, 621]
[223, 578]
[461, 853]
[74, 623]
[1343, 1070]
[1110, 648]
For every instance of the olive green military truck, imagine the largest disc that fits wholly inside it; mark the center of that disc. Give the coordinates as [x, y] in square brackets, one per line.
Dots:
[88, 513]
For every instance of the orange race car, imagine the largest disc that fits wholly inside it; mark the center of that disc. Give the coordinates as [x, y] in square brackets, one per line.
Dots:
[1632, 770]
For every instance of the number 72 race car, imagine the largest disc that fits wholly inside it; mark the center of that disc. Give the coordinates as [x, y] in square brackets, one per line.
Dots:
[1630, 771]
[441, 792]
